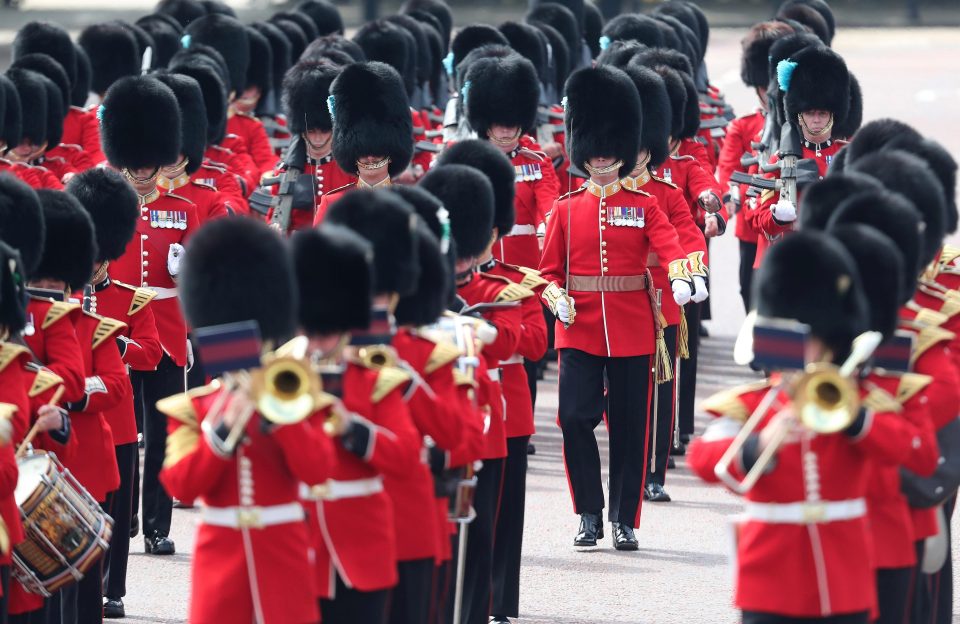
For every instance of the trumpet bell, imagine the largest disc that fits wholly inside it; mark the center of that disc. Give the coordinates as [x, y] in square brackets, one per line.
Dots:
[286, 391]
[826, 401]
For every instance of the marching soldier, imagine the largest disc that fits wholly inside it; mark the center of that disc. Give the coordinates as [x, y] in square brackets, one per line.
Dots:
[595, 253]
[31, 89]
[241, 120]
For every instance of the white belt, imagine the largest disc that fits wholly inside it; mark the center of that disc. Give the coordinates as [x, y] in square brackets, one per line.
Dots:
[516, 358]
[493, 374]
[332, 490]
[522, 230]
[806, 513]
[252, 517]
[163, 293]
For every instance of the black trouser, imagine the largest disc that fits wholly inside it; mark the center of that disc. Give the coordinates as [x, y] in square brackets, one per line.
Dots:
[351, 606]
[662, 434]
[411, 598]
[478, 573]
[581, 407]
[941, 583]
[115, 561]
[150, 387]
[748, 254]
[508, 538]
[687, 384]
[444, 590]
[893, 592]
[920, 590]
[5, 599]
[754, 617]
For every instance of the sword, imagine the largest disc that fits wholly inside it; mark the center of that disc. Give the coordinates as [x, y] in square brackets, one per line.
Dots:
[676, 401]
[656, 401]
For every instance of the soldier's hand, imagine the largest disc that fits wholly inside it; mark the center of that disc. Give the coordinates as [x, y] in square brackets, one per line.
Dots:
[553, 150]
[565, 309]
[700, 292]
[49, 418]
[710, 226]
[681, 291]
[784, 211]
[784, 423]
[174, 258]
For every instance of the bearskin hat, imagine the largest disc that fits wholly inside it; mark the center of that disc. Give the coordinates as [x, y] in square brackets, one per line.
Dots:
[204, 53]
[300, 19]
[877, 259]
[70, 247]
[807, 17]
[603, 117]
[559, 57]
[46, 66]
[848, 127]
[431, 32]
[81, 86]
[305, 90]
[320, 49]
[678, 37]
[429, 209]
[943, 165]
[439, 10]
[434, 286]
[371, 116]
[786, 47]
[694, 20]
[32, 95]
[904, 173]
[294, 34]
[420, 55]
[491, 162]
[677, 94]
[654, 57]
[326, 17]
[260, 69]
[203, 70]
[879, 134]
[809, 277]
[21, 220]
[526, 42]
[619, 53]
[334, 270]
[471, 38]
[113, 208]
[564, 21]
[224, 257]
[389, 223]
[657, 113]
[227, 36]
[279, 52]
[385, 42]
[820, 7]
[818, 80]
[11, 130]
[140, 124]
[755, 61]
[820, 199]
[633, 26]
[467, 194]
[669, 38]
[113, 53]
[166, 36]
[55, 111]
[50, 39]
[501, 91]
[193, 117]
[894, 216]
[592, 27]
[144, 41]
[184, 11]
[13, 292]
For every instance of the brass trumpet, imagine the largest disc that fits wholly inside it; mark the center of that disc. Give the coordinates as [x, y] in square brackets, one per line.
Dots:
[825, 398]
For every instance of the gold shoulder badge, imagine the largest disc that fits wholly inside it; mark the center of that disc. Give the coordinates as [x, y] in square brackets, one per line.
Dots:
[443, 354]
[636, 191]
[388, 380]
[667, 182]
[928, 337]
[43, 381]
[879, 400]
[9, 353]
[107, 328]
[949, 254]
[931, 317]
[205, 185]
[514, 292]
[572, 193]
[950, 307]
[141, 297]
[729, 403]
[7, 410]
[531, 278]
[766, 195]
[57, 311]
[180, 406]
[910, 385]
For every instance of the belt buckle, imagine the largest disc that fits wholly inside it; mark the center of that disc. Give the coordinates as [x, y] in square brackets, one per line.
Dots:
[249, 518]
[320, 491]
[814, 513]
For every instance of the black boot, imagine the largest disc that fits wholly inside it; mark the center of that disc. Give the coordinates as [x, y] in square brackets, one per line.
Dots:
[623, 537]
[655, 493]
[157, 544]
[591, 529]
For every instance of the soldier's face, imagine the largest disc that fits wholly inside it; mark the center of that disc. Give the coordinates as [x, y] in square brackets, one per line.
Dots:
[49, 284]
[143, 180]
[816, 120]
[318, 139]
[504, 136]
[599, 162]
[248, 100]
[27, 150]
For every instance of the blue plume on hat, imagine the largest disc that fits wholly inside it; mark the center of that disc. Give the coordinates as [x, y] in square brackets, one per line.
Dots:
[185, 41]
[785, 69]
[330, 106]
[604, 42]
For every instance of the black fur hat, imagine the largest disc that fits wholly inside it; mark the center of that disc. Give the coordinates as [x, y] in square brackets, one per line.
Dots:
[55, 112]
[385, 42]
[694, 20]
[81, 86]
[228, 37]
[32, 95]
[215, 7]
[564, 21]
[112, 205]
[21, 220]
[491, 162]
[305, 90]
[260, 69]
[879, 134]
[333, 48]
[823, 9]
[473, 37]
[436, 8]
[300, 19]
[326, 17]
[821, 199]
[294, 34]
[371, 117]
[491, 50]
[527, 43]
[70, 247]
[755, 61]
[809, 277]
[225, 256]
[677, 94]
[144, 41]
[633, 26]
[877, 259]
[203, 70]
[184, 11]
[559, 57]
[390, 225]
[429, 209]
[431, 32]
[501, 91]
[13, 292]
[603, 117]
[193, 117]
[657, 113]
[678, 37]
[592, 27]
[166, 33]
[576, 8]
[113, 54]
[904, 173]
[943, 165]
[140, 124]
[849, 126]
[334, 270]
[206, 54]
[467, 195]
[808, 17]
[279, 51]
[434, 286]
[10, 121]
[421, 58]
[50, 39]
[619, 53]
[46, 66]
[654, 57]
[895, 217]
[819, 80]
[786, 47]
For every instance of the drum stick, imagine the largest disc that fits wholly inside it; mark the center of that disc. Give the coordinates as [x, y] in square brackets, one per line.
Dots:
[34, 430]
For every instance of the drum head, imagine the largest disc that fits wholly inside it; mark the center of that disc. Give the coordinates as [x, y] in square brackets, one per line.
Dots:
[32, 469]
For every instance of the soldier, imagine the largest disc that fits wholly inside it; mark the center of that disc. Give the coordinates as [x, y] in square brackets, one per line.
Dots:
[606, 232]
[35, 177]
[34, 133]
[113, 54]
[225, 449]
[140, 126]
[241, 120]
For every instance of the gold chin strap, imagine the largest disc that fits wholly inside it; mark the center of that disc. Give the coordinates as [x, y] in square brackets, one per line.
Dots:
[602, 170]
[380, 164]
[826, 129]
[101, 273]
[504, 142]
[313, 145]
[135, 180]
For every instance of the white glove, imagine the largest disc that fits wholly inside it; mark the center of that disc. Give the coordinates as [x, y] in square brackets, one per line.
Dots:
[564, 309]
[681, 292]
[784, 211]
[174, 257]
[700, 292]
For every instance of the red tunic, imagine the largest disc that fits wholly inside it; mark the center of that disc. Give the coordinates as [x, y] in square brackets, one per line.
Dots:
[81, 127]
[208, 202]
[250, 130]
[240, 165]
[13, 392]
[741, 133]
[693, 180]
[66, 159]
[54, 342]
[327, 176]
[607, 324]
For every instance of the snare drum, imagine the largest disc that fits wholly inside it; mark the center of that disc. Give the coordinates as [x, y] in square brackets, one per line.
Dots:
[66, 531]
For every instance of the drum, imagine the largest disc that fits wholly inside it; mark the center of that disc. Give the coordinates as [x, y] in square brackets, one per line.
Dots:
[66, 531]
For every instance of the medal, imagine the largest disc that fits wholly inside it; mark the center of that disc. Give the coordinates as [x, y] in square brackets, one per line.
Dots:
[537, 173]
[154, 219]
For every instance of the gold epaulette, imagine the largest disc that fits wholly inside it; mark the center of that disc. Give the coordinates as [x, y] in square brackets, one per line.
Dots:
[664, 181]
[460, 378]
[106, 328]
[951, 305]
[931, 317]
[636, 191]
[183, 441]
[10, 352]
[205, 185]
[766, 195]
[44, 380]
[531, 278]
[928, 337]
[141, 297]
[180, 406]
[514, 292]
[388, 380]
[526, 151]
[444, 353]
[729, 402]
[948, 254]
[879, 400]
[910, 385]
[57, 311]
[572, 193]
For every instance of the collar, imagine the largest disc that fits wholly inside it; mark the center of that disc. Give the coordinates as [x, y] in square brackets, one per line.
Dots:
[102, 285]
[383, 183]
[514, 152]
[817, 147]
[488, 265]
[150, 197]
[381, 330]
[634, 183]
[603, 191]
[321, 161]
[172, 184]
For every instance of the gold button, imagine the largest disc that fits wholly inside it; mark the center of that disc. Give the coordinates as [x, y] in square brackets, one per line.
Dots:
[146, 253]
[603, 252]
[604, 269]
[603, 260]
[145, 273]
[602, 211]
[603, 227]
[603, 243]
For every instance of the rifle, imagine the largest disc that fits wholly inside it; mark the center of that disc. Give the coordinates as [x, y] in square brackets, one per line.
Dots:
[792, 169]
[283, 202]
